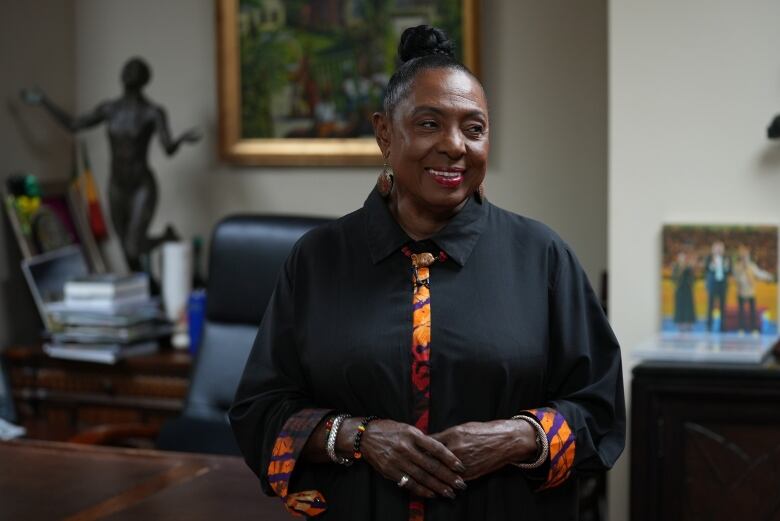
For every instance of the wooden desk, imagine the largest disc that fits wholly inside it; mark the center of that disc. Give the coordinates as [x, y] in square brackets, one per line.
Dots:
[49, 481]
[57, 398]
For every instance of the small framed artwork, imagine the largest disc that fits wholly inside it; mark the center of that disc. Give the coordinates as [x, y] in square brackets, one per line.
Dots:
[719, 279]
[299, 80]
[52, 220]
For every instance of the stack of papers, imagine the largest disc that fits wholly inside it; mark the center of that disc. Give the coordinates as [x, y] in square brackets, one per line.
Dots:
[9, 431]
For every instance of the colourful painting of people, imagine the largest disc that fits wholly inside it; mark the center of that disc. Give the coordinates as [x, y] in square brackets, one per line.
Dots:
[719, 279]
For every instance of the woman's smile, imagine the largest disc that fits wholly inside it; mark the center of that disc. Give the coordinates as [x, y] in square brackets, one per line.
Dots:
[450, 177]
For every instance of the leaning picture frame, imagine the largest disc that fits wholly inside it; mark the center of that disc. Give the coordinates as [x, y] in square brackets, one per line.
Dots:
[298, 81]
[60, 220]
[719, 279]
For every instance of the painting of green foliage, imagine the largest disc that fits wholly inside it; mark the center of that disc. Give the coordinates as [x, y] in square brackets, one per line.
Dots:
[319, 68]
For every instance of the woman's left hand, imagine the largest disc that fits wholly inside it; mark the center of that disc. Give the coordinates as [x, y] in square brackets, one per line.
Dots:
[486, 447]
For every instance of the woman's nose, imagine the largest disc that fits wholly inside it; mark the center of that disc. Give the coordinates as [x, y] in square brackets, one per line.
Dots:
[452, 143]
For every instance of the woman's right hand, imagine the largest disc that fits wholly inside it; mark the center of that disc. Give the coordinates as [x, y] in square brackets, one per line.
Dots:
[395, 449]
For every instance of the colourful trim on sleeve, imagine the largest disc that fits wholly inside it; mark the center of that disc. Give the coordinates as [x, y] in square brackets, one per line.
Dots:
[287, 447]
[562, 445]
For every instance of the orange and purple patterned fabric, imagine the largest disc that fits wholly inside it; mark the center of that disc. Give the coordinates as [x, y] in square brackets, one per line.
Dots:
[562, 444]
[421, 365]
[287, 448]
[421, 352]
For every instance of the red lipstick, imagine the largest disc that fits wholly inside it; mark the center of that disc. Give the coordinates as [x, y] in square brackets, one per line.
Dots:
[450, 177]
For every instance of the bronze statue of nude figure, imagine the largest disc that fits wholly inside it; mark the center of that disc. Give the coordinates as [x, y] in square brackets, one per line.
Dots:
[132, 120]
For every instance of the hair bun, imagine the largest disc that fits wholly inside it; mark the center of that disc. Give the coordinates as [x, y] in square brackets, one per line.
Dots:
[424, 40]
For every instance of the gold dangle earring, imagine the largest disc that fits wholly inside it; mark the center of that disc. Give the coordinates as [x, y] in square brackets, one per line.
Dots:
[385, 182]
[479, 193]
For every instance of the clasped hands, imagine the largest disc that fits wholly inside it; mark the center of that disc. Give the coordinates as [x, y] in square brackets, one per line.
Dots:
[439, 463]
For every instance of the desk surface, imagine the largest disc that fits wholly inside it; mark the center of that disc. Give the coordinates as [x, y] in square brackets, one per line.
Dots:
[48, 481]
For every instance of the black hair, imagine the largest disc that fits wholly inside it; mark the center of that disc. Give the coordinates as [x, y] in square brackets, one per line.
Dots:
[421, 48]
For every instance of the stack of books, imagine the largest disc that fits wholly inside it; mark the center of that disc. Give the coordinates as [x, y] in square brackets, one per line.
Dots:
[104, 318]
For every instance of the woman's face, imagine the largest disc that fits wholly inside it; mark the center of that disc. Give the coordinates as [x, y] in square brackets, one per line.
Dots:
[437, 140]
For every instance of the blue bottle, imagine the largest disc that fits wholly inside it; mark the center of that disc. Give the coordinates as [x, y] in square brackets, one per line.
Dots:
[196, 316]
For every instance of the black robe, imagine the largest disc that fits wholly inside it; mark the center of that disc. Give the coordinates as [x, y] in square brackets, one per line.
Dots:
[515, 325]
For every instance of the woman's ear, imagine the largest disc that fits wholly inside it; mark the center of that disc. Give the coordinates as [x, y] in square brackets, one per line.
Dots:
[381, 131]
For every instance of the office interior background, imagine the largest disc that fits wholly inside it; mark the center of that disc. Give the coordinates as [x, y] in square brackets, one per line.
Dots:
[609, 119]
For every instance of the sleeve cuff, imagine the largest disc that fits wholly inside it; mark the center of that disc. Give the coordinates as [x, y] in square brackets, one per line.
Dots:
[561, 441]
[287, 448]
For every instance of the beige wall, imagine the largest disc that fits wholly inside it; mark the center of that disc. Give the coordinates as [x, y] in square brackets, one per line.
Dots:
[544, 69]
[692, 88]
[36, 48]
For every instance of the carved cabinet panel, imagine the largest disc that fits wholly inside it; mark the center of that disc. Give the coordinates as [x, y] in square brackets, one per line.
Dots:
[705, 443]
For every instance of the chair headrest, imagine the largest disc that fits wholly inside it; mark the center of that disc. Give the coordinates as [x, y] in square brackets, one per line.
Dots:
[246, 254]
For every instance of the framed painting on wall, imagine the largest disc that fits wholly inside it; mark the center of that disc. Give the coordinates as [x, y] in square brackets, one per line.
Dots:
[299, 79]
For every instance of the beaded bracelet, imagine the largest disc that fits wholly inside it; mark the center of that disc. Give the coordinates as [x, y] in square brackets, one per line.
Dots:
[359, 436]
[330, 446]
[542, 444]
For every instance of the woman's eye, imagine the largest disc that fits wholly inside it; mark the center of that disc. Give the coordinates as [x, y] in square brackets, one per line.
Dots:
[428, 124]
[476, 129]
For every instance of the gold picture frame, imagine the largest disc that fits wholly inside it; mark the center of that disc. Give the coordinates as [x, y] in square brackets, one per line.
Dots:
[310, 150]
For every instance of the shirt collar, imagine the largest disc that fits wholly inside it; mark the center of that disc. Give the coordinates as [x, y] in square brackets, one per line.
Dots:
[457, 238]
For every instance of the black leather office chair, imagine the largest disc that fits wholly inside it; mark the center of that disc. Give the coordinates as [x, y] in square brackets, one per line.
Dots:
[246, 254]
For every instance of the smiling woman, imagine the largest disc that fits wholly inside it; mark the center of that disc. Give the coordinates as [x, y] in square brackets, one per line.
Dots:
[474, 396]
[436, 140]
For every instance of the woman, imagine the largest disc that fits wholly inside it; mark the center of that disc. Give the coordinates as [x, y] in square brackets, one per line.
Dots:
[497, 355]
[132, 121]
[684, 278]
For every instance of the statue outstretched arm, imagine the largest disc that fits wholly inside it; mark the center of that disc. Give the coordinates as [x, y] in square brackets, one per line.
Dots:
[171, 145]
[35, 96]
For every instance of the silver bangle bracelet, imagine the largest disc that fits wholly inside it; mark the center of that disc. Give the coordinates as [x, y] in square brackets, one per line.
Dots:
[542, 445]
[330, 446]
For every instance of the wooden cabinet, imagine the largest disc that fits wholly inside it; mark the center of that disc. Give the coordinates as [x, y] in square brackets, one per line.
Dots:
[705, 442]
[56, 398]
